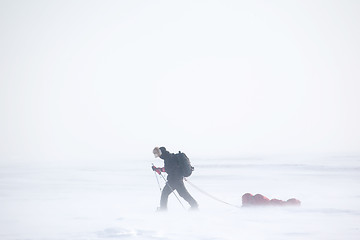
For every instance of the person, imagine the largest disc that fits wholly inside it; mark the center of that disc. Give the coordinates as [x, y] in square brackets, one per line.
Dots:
[175, 179]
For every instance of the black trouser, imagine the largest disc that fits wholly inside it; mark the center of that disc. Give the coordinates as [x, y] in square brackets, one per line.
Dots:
[179, 186]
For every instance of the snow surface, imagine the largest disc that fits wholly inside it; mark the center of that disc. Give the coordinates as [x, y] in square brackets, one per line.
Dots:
[117, 200]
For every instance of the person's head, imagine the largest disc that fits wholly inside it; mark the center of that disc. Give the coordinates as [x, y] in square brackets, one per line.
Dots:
[157, 152]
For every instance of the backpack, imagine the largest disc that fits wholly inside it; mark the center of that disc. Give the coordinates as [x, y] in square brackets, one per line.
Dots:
[185, 165]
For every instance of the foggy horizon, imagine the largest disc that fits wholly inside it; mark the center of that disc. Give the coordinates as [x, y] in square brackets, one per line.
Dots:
[262, 96]
[91, 80]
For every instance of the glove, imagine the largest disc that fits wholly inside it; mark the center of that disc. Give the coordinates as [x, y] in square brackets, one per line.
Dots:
[158, 170]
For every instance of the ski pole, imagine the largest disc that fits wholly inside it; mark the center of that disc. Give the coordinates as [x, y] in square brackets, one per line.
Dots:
[172, 190]
[157, 179]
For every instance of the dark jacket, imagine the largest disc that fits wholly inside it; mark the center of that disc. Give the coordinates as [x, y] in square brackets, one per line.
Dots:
[171, 165]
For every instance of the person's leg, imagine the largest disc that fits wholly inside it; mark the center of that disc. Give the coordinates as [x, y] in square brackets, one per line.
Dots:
[164, 196]
[183, 192]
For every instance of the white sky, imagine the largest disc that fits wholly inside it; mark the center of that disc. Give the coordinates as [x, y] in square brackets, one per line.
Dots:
[86, 80]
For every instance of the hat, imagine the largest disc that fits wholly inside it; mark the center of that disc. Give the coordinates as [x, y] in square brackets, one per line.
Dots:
[157, 152]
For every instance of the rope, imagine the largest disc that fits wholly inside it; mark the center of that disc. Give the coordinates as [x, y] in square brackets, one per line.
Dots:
[209, 195]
